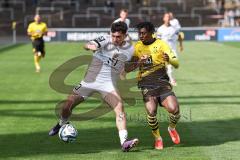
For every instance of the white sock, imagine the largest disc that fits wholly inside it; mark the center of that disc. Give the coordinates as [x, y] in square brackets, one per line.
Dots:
[170, 72]
[170, 128]
[123, 134]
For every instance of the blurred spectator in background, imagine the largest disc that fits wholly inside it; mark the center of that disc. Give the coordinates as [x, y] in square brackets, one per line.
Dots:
[230, 17]
[221, 4]
[231, 13]
[123, 17]
[237, 17]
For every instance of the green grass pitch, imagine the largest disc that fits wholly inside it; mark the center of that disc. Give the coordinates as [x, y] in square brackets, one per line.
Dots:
[208, 91]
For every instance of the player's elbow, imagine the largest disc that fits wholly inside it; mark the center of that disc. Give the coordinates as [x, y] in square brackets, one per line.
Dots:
[176, 66]
[174, 63]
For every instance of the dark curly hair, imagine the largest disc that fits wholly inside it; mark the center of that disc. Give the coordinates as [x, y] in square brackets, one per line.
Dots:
[147, 25]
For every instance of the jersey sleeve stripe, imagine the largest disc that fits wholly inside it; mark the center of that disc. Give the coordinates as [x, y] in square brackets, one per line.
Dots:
[99, 45]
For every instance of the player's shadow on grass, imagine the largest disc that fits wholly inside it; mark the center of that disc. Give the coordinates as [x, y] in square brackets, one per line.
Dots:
[214, 97]
[207, 133]
[10, 47]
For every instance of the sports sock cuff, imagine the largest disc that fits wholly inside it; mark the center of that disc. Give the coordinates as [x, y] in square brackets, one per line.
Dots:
[62, 121]
[123, 135]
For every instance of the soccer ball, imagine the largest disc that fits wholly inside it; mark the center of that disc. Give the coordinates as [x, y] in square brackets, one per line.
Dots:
[68, 133]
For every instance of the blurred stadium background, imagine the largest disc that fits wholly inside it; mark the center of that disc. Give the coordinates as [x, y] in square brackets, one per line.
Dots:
[208, 80]
[101, 13]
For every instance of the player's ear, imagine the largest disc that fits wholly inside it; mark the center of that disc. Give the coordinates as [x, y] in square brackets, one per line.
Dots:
[125, 36]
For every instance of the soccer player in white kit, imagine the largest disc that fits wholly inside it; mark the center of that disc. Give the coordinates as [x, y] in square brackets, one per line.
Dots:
[175, 23]
[110, 54]
[169, 34]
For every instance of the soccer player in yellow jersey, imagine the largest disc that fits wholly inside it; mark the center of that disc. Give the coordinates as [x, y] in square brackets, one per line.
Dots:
[36, 30]
[151, 57]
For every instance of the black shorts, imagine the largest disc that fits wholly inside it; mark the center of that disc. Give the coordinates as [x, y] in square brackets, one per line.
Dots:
[160, 89]
[38, 46]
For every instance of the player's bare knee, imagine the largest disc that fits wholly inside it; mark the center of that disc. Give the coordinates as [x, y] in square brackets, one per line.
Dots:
[152, 112]
[173, 109]
[150, 103]
[119, 108]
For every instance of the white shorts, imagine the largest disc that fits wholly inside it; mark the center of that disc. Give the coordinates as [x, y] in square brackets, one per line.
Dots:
[85, 89]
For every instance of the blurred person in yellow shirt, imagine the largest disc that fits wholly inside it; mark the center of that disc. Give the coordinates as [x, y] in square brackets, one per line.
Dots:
[36, 30]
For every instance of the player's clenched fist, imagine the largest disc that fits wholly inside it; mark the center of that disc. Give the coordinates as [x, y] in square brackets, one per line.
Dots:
[143, 58]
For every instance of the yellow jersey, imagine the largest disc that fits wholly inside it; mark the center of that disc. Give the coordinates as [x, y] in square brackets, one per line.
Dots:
[155, 61]
[37, 29]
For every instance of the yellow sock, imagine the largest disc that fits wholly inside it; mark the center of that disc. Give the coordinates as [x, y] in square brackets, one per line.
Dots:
[156, 134]
[36, 62]
[153, 123]
[173, 119]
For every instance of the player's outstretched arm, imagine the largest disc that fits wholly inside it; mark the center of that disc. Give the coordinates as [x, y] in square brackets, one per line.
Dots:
[168, 55]
[135, 63]
[171, 59]
[97, 43]
[132, 64]
[90, 46]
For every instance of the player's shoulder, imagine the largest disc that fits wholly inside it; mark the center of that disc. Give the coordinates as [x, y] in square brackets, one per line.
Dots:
[103, 38]
[138, 44]
[160, 28]
[160, 42]
[116, 20]
[43, 23]
[31, 24]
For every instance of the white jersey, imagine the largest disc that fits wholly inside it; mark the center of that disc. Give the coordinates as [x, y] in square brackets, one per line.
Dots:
[169, 35]
[110, 58]
[175, 23]
[127, 21]
[104, 70]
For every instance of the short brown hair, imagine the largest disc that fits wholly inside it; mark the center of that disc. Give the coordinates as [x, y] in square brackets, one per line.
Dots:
[124, 10]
